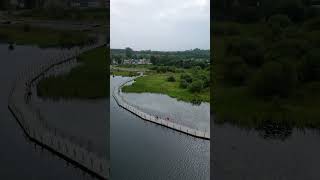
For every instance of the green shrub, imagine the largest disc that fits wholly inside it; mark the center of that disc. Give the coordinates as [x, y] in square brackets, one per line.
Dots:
[274, 79]
[184, 84]
[293, 9]
[310, 66]
[226, 29]
[293, 48]
[196, 86]
[279, 20]
[171, 79]
[186, 77]
[249, 49]
[235, 70]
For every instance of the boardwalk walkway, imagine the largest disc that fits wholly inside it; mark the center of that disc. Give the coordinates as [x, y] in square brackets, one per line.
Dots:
[38, 129]
[117, 94]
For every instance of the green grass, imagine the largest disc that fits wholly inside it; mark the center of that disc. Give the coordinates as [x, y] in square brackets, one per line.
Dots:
[43, 37]
[86, 81]
[157, 83]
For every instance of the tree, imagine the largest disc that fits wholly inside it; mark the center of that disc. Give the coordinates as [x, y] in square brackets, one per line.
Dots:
[250, 50]
[196, 86]
[279, 20]
[153, 60]
[183, 83]
[186, 77]
[171, 79]
[129, 52]
[274, 79]
[235, 70]
[294, 9]
[310, 66]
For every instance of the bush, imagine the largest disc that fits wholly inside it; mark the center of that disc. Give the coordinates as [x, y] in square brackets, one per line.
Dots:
[294, 48]
[249, 49]
[279, 20]
[226, 29]
[205, 79]
[274, 79]
[235, 70]
[196, 86]
[310, 66]
[171, 79]
[293, 9]
[186, 77]
[184, 84]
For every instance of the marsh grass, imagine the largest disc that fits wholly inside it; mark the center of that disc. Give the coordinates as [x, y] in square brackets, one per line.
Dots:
[86, 81]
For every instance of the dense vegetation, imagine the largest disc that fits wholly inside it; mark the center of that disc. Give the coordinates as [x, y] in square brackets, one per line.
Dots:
[43, 37]
[191, 85]
[88, 80]
[180, 74]
[58, 13]
[179, 59]
[267, 68]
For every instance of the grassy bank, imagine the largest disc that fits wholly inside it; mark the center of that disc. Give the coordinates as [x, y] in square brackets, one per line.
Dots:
[43, 37]
[88, 80]
[158, 83]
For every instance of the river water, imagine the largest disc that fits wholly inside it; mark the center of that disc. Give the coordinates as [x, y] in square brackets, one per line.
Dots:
[193, 116]
[19, 158]
[143, 150]
[250, 154]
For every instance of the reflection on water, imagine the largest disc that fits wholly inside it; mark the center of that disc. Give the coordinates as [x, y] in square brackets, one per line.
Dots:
[83, 121]
[274, 130]
[271, 151]
[19, 158]
[194, 116]
[143, 150]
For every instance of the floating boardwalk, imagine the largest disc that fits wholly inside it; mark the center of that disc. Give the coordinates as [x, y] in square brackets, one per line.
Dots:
[36, 127]
[163, 122]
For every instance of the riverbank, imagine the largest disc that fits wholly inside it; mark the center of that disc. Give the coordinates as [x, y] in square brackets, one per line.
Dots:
[43, 37]
[86, 81]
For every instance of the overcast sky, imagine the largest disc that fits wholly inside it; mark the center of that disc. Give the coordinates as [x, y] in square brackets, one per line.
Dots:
[167, 25]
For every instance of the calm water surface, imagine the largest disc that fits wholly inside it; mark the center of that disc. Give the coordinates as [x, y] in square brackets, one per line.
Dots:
[143, 150]
[289, 154]
[19, 158]
[194, 116]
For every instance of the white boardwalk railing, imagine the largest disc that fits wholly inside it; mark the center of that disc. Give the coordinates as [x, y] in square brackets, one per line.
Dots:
[154, 119]
[37, 128]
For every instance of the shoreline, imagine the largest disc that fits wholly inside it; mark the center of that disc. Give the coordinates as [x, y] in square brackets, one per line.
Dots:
[147, 117]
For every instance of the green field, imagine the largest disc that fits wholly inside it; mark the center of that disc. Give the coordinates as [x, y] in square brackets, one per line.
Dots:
[158, 83]
[43, 37]
[88, 80]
